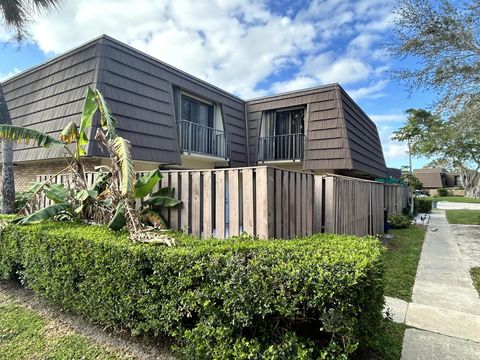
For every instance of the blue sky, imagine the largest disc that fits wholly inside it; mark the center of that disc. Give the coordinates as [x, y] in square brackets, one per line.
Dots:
[250, 48]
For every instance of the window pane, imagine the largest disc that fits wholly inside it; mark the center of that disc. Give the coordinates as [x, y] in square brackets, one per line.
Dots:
[197, 111]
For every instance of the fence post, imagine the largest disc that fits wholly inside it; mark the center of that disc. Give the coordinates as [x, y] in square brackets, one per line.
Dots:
[265, 199]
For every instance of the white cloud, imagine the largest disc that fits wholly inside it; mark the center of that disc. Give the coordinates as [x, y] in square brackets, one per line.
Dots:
[344, 70]
[297, 83]
[238, 45]
[371, 91]
[381, 118]
[232, 44]
[8, 75]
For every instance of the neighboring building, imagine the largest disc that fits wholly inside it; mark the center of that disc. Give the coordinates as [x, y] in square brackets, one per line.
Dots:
[437, 178]
[394, 173]
[173, 119]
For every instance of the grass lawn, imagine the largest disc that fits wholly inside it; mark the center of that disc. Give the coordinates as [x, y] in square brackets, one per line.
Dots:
[465, 217]
[24, 334]
[460, 199]
[401, 260]
[475, 274]
[390, 340]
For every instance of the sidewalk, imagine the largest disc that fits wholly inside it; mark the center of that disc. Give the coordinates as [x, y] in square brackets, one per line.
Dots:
[445, 307]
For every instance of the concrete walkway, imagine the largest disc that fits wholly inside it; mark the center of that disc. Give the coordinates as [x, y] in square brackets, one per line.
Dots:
[448, 205]
[445, 307]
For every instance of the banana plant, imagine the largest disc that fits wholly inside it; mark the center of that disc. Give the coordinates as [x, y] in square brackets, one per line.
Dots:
[114, 190]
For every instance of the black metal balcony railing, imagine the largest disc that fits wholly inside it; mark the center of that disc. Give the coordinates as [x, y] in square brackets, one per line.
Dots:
[201, 139]
[281, 147]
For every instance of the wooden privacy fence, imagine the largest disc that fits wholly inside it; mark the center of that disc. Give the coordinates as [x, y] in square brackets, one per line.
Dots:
[345, 205]
[270, 202]
[260, 201]
[396, 198]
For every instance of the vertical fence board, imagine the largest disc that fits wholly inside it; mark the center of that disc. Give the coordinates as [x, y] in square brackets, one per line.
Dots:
[220, 204]
[174, 211]
[233, 209]
[285, 205]
[291, 204]
[309, 205]
[196, 203]
[248, 201]
[207, 204]
[278, 204]
[298, 204]
[185, 197]
[264, 203]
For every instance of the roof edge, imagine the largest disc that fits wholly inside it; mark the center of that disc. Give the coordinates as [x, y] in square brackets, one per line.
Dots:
[54, 59]
[293, 92]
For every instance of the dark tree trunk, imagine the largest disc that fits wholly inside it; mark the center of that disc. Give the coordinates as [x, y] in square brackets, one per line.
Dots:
[8, 181]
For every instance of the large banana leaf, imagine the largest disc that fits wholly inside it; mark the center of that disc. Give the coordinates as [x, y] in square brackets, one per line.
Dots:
[163, 201]
[90, 106]
[19, 133]
[69, 133]
[56, 192]
[121, 148]
[165, 191]
[118, 219]
[43, 214]
[83, 195]
[146, 183]
[107, 122]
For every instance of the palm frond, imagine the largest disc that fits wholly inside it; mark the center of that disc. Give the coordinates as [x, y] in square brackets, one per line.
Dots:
[18, 133]
[107, 122]
[121, 147]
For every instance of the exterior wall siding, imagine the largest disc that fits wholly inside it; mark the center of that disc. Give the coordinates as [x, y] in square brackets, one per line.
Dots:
[338, 134]
[49, 96]
[139, 91]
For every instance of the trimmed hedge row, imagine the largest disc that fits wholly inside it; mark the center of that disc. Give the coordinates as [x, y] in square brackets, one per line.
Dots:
[316, 297]
[423, 205]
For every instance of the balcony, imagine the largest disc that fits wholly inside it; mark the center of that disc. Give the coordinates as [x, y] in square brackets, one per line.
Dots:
[200, 139]
[281, 147]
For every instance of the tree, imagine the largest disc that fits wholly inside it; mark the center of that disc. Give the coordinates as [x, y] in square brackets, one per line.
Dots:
[444, 38]
[411, 181]
[412, 131]
[16, 16]
[447, 141]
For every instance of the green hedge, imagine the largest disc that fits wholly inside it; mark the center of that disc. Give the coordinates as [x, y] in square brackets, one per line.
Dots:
[398, 221]
[423, 205]
[220, 299]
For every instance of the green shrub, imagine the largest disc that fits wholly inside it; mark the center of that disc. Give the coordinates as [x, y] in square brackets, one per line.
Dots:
[399, 221]
[218, 299]
[442, 192]
[423, 205]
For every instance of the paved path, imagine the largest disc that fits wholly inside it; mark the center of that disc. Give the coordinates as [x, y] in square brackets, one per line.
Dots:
[448, 205]
[445, 307]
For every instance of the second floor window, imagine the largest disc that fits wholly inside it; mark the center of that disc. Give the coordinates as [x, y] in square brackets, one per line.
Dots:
[196, 111]
[282, 122]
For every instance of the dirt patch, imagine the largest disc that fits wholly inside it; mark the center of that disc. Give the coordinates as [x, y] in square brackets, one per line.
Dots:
[62, 323]
[468, 240]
